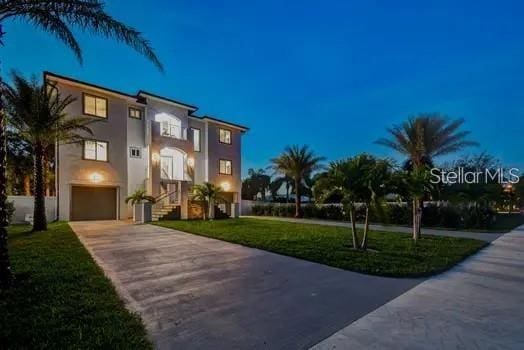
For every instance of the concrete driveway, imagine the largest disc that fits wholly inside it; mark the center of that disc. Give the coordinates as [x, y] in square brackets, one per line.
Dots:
[199, 293]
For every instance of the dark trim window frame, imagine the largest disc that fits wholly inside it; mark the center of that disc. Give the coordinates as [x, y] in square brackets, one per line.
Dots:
[131, 110]
[220, 136]
[96, 150]
[225, 167]
[84, 95]
[199, 140]
[136, 150]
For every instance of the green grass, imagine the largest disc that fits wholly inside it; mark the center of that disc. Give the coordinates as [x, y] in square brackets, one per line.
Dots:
[394, 254]
[61, 298]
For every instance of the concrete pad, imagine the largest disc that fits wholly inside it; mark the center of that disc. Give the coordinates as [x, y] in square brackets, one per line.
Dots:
[199, 293]
[479, 304]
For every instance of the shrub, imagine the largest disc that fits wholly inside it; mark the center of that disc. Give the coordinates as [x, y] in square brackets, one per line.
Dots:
[10, 206]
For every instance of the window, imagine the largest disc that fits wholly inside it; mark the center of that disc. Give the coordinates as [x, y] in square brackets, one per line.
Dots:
[224, 136]
[135, 152]
[196, 140]
[95, 150]
[135, 113]
[225, 167]
[95, 106]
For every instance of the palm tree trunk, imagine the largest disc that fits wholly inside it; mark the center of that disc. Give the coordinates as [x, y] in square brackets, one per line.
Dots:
[353, 227]
[364, 245]
[211, 215]
[415, 219]
[39, 219]
[5, 267]
[287, 191]
[419, 212]
[298, 200]
[27, 185]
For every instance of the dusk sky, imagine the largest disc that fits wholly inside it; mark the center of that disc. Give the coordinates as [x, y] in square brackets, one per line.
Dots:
[330, 74]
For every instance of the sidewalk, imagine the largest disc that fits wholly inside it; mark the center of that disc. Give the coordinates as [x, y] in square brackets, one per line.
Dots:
[483, 236]
[479, 304]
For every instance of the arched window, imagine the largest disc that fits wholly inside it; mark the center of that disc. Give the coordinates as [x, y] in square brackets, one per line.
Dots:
[169, 125]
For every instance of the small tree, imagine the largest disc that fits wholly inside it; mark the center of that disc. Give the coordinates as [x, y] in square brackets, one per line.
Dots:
[209, 194]
[346, 179]
[140, 196]
[417, 184]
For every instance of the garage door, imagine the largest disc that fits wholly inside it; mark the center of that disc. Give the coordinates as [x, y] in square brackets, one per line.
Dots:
[93, 203]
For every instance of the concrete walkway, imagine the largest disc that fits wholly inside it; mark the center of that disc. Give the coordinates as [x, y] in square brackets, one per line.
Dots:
[479, 304]
[199, 293]
[484, 236]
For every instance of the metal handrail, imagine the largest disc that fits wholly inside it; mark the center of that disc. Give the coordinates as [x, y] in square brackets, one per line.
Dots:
[164, 195]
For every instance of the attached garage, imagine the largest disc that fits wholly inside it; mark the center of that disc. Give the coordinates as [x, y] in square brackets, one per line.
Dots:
[93, 203]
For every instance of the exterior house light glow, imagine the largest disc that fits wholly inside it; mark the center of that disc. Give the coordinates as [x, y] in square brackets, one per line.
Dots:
[155, 157]
[95, 177]
[225, 186]
[190, 162]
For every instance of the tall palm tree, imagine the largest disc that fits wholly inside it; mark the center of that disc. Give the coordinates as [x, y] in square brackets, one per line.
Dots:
[36, 114]
[427, 136]
[57, 17]
[421, 139]
[209, 194]
[297, 162]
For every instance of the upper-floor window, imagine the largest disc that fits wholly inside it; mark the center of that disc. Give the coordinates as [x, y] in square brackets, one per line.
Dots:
[225, 167]
[135, 113]
[224, 136]
[95, 106]
[135, 152]
[196, 139]
[95, 150]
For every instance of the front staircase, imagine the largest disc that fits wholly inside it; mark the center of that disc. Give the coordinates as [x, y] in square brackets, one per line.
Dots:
[166, 212]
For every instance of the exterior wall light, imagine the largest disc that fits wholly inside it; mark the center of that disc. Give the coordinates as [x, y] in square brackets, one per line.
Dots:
[191, 162]
[95, 178]
[155, 157]
[225, 186]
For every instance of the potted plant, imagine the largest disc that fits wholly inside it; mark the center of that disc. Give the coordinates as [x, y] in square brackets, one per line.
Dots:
[142, 205]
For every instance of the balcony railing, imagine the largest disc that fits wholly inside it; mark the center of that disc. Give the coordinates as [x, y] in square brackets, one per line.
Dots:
[174, 131]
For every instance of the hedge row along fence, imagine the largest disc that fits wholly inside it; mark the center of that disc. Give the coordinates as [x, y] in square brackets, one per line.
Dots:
[434, 215]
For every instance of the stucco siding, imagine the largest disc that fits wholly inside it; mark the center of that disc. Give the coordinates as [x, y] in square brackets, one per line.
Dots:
[74, 170]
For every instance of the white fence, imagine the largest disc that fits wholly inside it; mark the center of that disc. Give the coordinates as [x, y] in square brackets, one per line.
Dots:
[25, 204]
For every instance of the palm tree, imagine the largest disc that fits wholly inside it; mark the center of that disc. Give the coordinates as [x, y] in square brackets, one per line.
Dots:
[347, 179]
[423, 138]
[210, 194]
[297, 162]
[57, 17]
[277, 183]
[36, 114]
[140, 196]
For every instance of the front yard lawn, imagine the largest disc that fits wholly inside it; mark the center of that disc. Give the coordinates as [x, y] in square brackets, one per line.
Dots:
[61, 299]
[394, 254]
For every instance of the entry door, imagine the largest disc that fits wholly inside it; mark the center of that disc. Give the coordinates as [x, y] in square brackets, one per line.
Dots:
[166, 167]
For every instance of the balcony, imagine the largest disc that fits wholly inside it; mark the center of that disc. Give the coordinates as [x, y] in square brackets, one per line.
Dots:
[173, 131]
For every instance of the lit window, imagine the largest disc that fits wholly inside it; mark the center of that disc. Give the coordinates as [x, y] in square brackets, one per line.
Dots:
[135, 152]
[95, 150]
[95, 106]
[196, 140]
[135, 113]
[224, 136]
[225, 167]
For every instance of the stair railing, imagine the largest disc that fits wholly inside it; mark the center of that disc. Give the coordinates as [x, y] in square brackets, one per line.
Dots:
[159, 200]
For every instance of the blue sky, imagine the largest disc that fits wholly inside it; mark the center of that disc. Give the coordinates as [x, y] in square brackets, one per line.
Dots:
[332, 76]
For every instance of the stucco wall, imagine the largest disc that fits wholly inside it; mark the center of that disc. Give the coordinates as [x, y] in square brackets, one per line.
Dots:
[200, 159]
[136, 167]
[217, 151]
[73, 170]
[25, 205]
